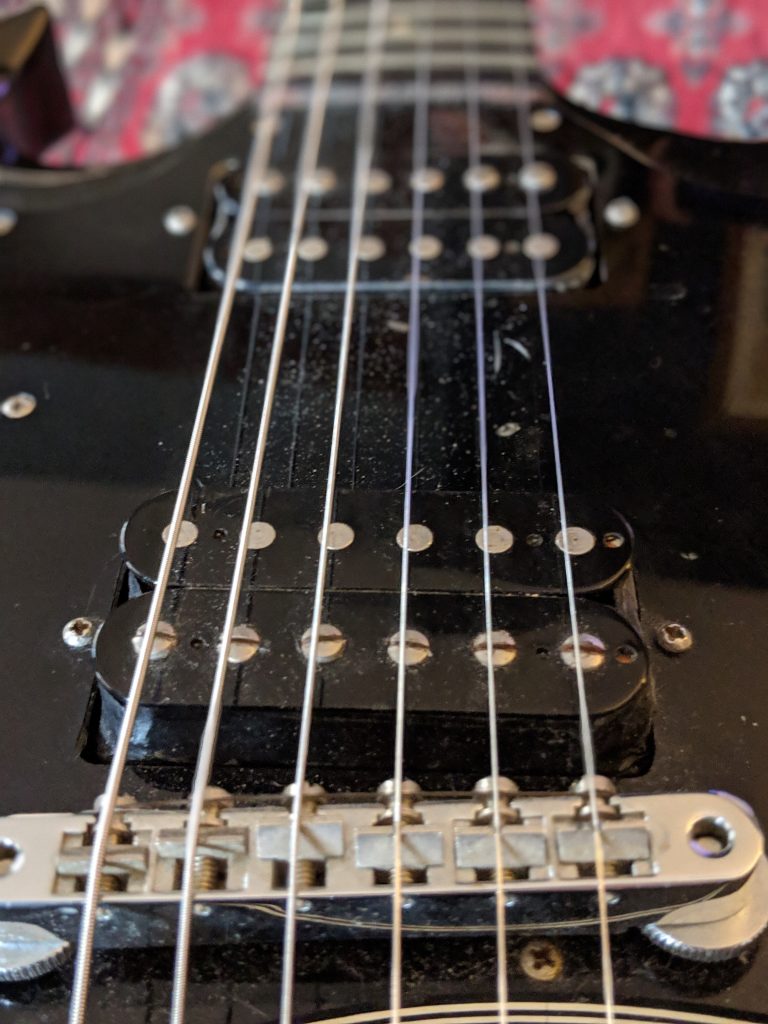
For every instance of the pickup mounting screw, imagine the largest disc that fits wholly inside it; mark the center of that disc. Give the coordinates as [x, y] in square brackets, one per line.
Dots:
[180, 221]
[16, 407]
[674, 638]
[622, 213]
[79, 633]
[541, 961]
[165, 640]
[612, 540]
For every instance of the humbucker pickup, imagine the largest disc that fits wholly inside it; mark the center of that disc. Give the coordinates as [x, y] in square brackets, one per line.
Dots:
[689, 868]
[446, 717]
[524, 539]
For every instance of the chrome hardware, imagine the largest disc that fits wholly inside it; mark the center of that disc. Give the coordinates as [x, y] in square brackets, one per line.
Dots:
[687, 867]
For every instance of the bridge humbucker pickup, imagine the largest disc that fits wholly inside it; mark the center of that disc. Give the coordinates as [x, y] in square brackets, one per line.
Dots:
[354, 719]
[532, 562]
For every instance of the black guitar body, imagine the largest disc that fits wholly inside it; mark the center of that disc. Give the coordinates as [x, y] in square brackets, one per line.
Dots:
[659, 337]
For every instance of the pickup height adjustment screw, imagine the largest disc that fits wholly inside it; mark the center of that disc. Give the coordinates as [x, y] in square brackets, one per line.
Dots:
[622, 213]
[119, 835]
[180, 221]
[311, 797]
[483, 792]
[17, 406]
[674, 638]
[79, 633]
[410, 794]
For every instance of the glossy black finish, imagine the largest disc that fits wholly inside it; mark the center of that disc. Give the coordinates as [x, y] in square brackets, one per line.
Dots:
[659, 371]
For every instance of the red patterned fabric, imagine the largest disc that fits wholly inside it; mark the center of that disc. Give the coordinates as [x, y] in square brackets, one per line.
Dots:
[696, 66]
[146, 73]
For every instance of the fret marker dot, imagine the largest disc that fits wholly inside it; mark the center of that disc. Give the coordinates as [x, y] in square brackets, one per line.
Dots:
[415, 650]
[541, 246]
[481, 178]
[484, 247]
[427, 179]
[340, 536]
[371, 248]
[331, 643]
[580, 541]
[503, 648]
[187, 534]
[426, 247]
[420, 537]
[537, 176]
[257, 250]
[312, 248]
[379, 182]
[261, 535]
[272, 183]
[321, 181]
[500, 539]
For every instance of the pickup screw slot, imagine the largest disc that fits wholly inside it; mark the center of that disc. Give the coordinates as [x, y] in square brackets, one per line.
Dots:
[503, 648]
[591, 652]
[711, 837]
[416, 649]
[331, 643]
[165, 640]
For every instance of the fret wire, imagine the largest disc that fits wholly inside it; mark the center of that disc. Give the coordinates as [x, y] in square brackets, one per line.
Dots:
[585, 726]
[256, 168]
[307, 163]
[363, 161]
[454, 10]
[419, 162]
[450, 60]
[493, 35]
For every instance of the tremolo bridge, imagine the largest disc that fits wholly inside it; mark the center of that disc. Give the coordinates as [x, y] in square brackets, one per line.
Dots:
[687, 868]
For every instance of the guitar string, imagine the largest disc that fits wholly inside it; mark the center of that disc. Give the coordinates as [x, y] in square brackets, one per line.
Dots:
[376, 37]
[535, 226]
[258, 162]
[476, 230]
[413, 352]
[326, 54]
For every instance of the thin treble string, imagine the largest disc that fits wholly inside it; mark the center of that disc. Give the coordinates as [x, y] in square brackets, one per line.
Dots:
[476, 230]
[328, 47]
[376, 36]
[258, 162]
[535, 223]
[420, 143]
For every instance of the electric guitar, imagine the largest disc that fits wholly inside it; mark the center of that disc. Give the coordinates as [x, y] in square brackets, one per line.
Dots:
[384, 554]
